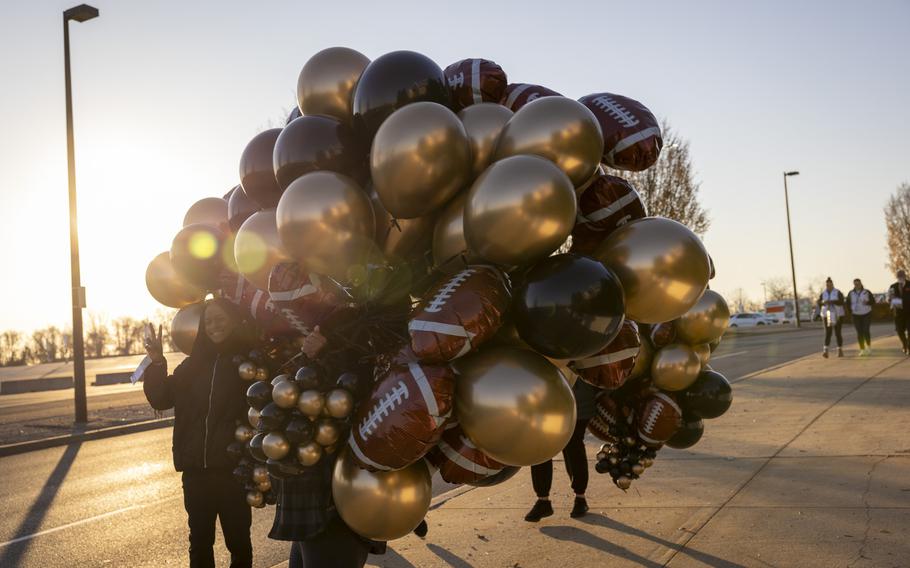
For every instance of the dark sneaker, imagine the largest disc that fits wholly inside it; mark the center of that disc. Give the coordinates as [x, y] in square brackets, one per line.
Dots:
[543, 508]
[825, 353]
[840, 352]
[580, 508]
[421, 529]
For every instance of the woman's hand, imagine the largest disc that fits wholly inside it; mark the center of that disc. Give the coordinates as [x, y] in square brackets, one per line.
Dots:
[313, 343]
[152, 344]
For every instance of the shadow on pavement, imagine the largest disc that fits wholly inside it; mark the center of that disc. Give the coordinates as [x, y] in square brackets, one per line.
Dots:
[35, 515]
[451, 559]
[575, 534]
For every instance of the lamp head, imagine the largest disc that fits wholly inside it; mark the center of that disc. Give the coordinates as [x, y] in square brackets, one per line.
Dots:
[81, 13]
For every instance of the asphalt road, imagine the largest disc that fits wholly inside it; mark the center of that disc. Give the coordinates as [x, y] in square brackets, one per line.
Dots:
[117, 502]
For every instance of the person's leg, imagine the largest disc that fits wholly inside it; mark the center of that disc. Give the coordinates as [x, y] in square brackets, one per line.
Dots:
[900, 326]
[541, 480]
[577, 465]
[295, 559]
[860, 338]
[828, 331]
[236, 518]
[200, 504]
[336, 547]
[839, 337]
[867, 331]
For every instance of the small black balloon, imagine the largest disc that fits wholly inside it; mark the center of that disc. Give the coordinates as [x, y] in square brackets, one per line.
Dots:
[241, 473]
[688, 434]
[300, 430]
[273, 418]
[259, 394]
[293, 115]
[236, 451]
[236, 360]
[308, 378]
[505, 474]
[256, 448]
[271, 498]
[257, 173]
[256, 355]
[240, 207]
[285, 468]
[602, 466]
[709, 396]
[314, 143]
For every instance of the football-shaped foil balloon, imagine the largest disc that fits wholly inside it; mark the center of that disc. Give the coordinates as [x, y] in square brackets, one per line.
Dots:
[198, 255]
[608, 203]
[663, 334]
[168, 287]
[505, 474]
[569, 306]
[458, 459]
[475, 81]
[659, 419]
[632, 139]
[303, 298]
[257, 173]
[326, 83]
[459, 314]
[240, 207]
[709, 396]
[518, 95]
[314, 143]
[611, 367]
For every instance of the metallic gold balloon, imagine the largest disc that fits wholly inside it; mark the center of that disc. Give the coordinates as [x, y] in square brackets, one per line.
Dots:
[264, 486]
[514, 405]
[449, 246]
[255, 499]
[703, 351]
[308, 454]
[285, 394]
[185, 326]
[279, 378]
[275, 445]
[383, 505]
[519, 211]
[243, 433]
[327, 432]
[257, 248]
[483, 123]
[408, 238]
[208, 211]
[559, 129]
[260, 473]
[675, 367]
[311, 403]
[642, 365]
[247, 371]
[339, 403]
[706, 321]
[420, 159]
[167, 287]
[262, 374]
[663, 267]
[326, 83]
[252, 416]
[624, 482]
[326, 222]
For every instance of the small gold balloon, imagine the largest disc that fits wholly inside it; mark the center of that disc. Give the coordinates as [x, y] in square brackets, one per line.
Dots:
[559, 129]
[663, 267]
[624, 482]
[706, 321]
[339, 403]
[260, 473]
[420, 159]
[383, 505]
[252, 416]
[275, 445]
[675, 367]
[167, 287]
[208, 211]
[247, 371]
[642, 365]
[257, 248]
[325, 221]
[264, 486]
[255, 499]
[262, 374]
[327, 432]
[519, 210]
[449, 246]
[285, 393]
[326, 83]
[647, 462]
[185, 327]
[244, 433]
[638, 469]
[311, 403]
[483, 123]
[308, 454]
[703, 351]
[514, 405]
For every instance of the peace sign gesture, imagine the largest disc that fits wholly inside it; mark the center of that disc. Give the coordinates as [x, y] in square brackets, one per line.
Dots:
[152, 344]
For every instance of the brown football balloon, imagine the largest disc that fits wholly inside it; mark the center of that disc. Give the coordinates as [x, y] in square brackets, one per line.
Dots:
[475, 81]
[459, 460]
[483, 123]
[632, 138]
[257, 173]
[612, 367]
[518, 95]
[519, 210]
[326, 83]
[675, 367]
[257, 248]
[556, 128]
[607, 204]
[420, 159]
[168, 287]
[706, 321]
[185, 326]
[208, 211]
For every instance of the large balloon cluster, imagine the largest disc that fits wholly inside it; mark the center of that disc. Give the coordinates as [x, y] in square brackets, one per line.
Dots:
[457, 240]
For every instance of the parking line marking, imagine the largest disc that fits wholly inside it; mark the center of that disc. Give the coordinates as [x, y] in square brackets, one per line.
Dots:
[725, 355]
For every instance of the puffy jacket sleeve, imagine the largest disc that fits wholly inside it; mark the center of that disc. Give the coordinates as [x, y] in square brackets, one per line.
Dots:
[159, 387]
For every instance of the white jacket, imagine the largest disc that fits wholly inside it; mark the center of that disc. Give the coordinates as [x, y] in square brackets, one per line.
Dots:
[860, 302]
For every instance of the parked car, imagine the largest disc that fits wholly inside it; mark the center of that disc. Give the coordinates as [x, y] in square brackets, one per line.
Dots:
[749, 319]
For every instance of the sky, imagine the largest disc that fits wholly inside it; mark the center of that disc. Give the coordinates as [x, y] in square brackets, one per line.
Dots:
[168, 93]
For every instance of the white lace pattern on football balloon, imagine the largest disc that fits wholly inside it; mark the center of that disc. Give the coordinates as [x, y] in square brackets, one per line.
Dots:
[383, 408]
[617, 111]
[441, 297]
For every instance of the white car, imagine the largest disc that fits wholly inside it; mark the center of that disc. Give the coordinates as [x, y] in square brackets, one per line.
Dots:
[748, 319]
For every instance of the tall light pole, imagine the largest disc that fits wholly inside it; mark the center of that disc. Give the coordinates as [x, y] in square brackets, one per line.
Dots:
[80, 13]
[790, 237]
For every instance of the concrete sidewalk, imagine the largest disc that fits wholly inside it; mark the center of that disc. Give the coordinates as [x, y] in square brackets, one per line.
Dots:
[810, 467]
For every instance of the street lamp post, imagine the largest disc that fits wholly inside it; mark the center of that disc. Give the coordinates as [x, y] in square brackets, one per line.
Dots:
[790, 237]
[80, 13]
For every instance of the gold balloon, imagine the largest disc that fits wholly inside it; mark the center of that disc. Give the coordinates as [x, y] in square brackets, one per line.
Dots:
[311, 403]
[208, 211]
[167, 287]
[279, 378]
[257, 248]
[559, 129]
[247, 371]
[642, 365]
[285, 393]
[244, 433]
[255, 499]
[519, 210]
[308, 454]
[449, 246]
[703, 351]
[598, 173]
[260, 473]
[706, 321]
[327, 432]
[326, 83]
[383, 505]
[339, 403]
[325, 221]
[275, 445]
[252, 416]
[483, 123]
[185, 326]
[407, 238]
[420, 159]
[264, 486]
[675, 367]
[514, 405]
[262, 374]
[663, 267]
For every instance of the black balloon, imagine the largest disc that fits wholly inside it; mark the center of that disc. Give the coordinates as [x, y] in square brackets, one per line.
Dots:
[236, 451]
[507, 473]
[300, 430]
[569, 306]
[256, 448]
[240, 207]
[350, 382]
[313, 143]
[257, 174]
[259, 394]
[308, 378]
[285, 468]
[688, 434]
[390, 82]
[708, 397]
[197, 253]
[293, 115]
[273, 418]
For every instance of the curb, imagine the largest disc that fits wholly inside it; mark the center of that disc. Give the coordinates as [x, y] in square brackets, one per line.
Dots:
[100, 433]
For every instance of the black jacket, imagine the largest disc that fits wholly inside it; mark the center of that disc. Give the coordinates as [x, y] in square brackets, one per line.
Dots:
[902, 292]
[208, 398]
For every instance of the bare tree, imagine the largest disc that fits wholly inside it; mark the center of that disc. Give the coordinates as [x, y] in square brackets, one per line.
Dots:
[897, 221]
[97, 337]
[46, 344]
[127, 335]
[11, 348]
[778, 288]
[669, 188]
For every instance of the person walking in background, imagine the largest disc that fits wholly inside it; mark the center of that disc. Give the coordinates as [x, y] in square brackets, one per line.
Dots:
[899, 298]
[831, 309]
[575, 457]
[859, 303]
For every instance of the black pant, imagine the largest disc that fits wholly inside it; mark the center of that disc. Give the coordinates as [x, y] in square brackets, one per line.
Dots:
[863, 325]
[902, 326]
[209, 494]
[335, 547]
[836, 329]
[576, 465]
